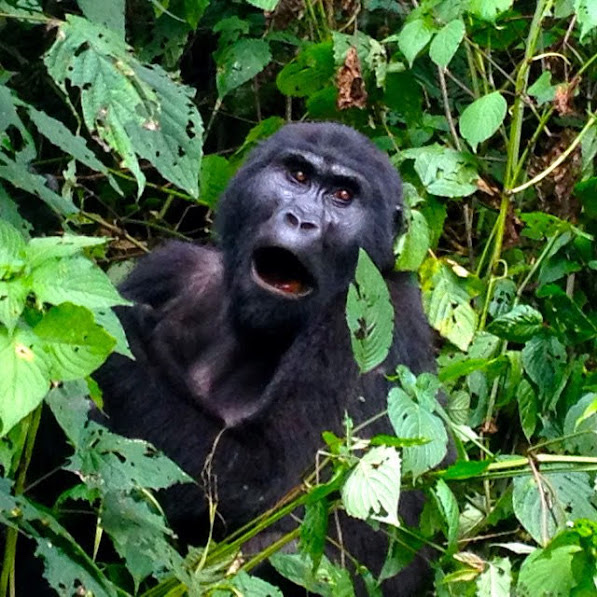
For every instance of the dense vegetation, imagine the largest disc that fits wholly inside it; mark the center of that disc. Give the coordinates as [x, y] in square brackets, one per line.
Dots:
[121, 124]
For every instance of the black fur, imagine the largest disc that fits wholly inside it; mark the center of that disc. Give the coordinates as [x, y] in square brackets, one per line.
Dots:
[215, 350]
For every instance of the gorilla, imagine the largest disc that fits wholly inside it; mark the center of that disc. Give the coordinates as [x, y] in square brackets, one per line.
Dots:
[242, 350]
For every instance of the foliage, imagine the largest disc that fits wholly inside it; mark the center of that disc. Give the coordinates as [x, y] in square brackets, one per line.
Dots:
[486, 107]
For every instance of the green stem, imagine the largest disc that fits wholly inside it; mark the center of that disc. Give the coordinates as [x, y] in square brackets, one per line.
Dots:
[7, 577]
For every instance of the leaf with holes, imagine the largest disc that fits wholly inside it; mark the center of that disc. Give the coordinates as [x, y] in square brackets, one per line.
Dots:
[136, 110]
[369, 314]
[447, 303]
[545, 503]
[518, 325]
[372, 489]
[76, 280]
[76, 345]
[413, 420]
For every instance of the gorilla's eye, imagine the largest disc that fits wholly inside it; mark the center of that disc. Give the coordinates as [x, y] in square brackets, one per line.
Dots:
[299, 176]
[343, 195]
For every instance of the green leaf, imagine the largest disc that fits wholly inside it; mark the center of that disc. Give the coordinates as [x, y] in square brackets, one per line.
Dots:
[251, 586]
[369, 314]
[9, 212]
[76, 280]
[542, 89]
[577, 423]
[496, 579]
[413, 37]
[586, 12]
[215, 174]
[448, 507]
[443, 171]
[12, 250]
[410, 419]
[372, 489]
[267, 5]
[412, 246]
[481, 119]
[544, 360]
[527, 408]
[328, 580]
[309, 72]
[466, 469]
[19, 175]
[314, 530]
[446, 42]
[518, 325]
[110, 322]
[194, 10]
[122, 464]
[548, 572]
[24, 376]
[108, 13]
[76, 345]
[75, 146]
[67, 567]
[140, 536]
[48, 248]
[240, 62]
[136, 110]
[488, 10]
[13, 298]
[566, 497]
[447, 303]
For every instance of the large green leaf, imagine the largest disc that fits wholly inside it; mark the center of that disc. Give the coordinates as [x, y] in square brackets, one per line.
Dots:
[447, 303]
[76, 345]
[309, 72]
[372, 489]
[443, 171]
[446, 42]
[369, 314]
[412, 246]
[481, 119]
[136, 110]
[76, 280]
[566, 497]
[67, 567]
[413, 37]
[109, 13]
[24, 376]
[586, 12]
[518, 325]
[240, 62]
[544, 360]
[412, 419]
[488, 10]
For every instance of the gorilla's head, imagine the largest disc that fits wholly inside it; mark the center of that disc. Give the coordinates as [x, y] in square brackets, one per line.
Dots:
[293, 218]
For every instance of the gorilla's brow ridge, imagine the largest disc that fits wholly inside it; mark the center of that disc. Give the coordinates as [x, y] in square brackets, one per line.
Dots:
[324, 165]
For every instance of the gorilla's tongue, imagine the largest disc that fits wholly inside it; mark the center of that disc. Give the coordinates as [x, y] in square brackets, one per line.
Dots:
[279, 270]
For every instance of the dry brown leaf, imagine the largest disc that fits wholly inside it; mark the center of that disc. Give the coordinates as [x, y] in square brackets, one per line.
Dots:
[351, 87]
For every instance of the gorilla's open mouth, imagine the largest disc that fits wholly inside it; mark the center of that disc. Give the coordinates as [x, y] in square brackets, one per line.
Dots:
[278, 270]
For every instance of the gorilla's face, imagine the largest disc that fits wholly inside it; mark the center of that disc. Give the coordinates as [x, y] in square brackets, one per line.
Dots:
[316, 213]
[294, 218]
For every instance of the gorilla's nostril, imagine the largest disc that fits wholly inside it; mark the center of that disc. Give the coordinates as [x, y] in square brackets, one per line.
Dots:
[292, 219]
[308, 226]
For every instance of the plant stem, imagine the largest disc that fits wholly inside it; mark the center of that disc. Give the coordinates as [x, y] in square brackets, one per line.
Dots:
[7, 577]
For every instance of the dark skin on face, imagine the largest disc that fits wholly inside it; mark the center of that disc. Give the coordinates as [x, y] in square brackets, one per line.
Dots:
[242, 349]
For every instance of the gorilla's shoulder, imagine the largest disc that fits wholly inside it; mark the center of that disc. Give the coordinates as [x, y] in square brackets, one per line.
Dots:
[173, 270]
